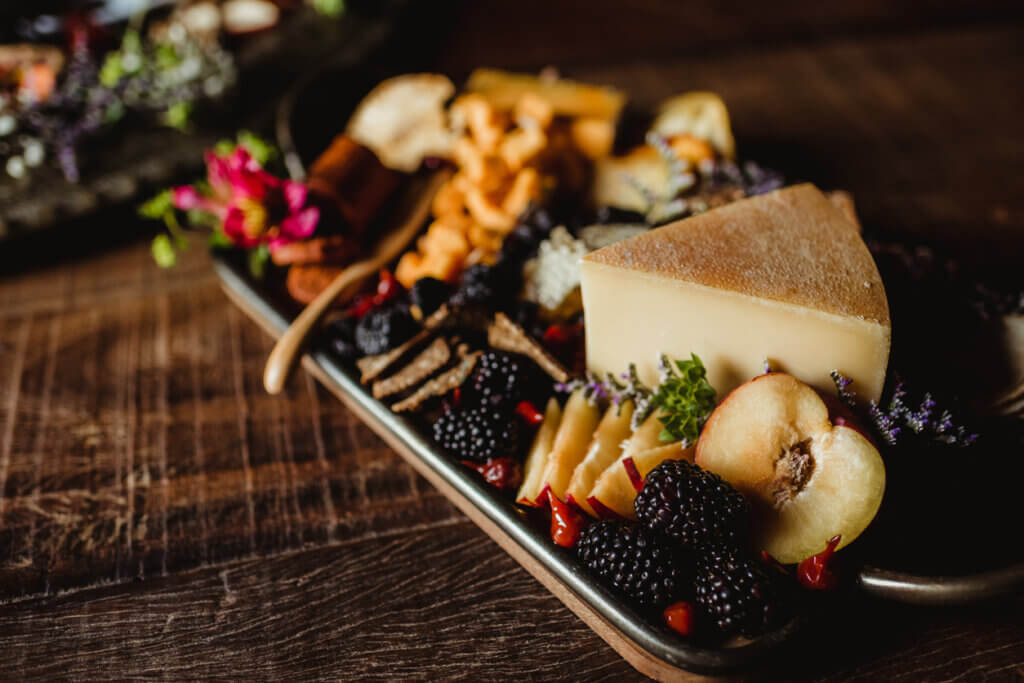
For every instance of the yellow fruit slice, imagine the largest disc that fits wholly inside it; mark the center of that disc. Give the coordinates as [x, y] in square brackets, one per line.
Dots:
[537, 458]
[618, 485]
[700, 114]
[579, 421]
[646, 437]
[604, 449]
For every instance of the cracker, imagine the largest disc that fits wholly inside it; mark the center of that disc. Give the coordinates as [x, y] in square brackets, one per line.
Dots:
[429, 360]
[505, 335]
[440, 385]
[372, 367]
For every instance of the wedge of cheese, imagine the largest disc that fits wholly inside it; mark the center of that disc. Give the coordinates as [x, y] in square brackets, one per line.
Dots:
[783, 276]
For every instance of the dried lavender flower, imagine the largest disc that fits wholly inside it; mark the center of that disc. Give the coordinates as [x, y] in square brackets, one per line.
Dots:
[889, 422]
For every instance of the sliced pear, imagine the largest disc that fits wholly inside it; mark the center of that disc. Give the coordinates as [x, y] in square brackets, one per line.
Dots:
[604, 449]
[700, 114]
[575, 432]
[646, 436]
[609, 497]
[616, 488]
[537, 458]
[807, 479]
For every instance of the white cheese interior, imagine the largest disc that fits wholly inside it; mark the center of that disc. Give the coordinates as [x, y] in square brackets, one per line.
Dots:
[632, 317]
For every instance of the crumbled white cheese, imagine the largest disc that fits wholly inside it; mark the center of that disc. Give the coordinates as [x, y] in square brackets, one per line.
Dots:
[552, 279]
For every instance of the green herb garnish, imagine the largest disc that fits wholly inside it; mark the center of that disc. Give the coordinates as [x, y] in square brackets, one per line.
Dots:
[685, 398]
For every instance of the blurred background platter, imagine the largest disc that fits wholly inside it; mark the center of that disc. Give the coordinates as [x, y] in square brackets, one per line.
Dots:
[120, 163]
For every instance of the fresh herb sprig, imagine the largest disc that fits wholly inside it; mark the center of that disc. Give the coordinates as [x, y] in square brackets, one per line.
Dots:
[685, 398]
[900, 419]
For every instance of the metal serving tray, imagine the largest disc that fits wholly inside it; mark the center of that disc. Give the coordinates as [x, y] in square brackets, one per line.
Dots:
[653, 650]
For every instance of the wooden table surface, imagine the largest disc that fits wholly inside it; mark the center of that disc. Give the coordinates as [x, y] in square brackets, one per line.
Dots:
[161, 516]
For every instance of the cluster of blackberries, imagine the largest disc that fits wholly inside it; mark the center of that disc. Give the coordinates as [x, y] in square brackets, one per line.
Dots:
[478, 433]
[485, 425]
[688, 545]
[496, 285]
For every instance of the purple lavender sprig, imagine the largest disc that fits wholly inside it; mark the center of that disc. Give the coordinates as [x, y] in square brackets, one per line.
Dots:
[889, 422]
[627, 387]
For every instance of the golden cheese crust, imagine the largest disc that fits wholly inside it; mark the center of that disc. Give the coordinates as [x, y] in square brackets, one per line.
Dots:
[791, 245]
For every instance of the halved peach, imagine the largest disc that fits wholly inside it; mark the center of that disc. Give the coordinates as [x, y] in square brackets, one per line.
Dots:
[807, 479]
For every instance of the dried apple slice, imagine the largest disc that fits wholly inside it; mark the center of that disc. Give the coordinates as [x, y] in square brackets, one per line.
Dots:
[579, 421]
[604, 450]
[700, 114]
[537, 458]
[616, 488]
[807, 479]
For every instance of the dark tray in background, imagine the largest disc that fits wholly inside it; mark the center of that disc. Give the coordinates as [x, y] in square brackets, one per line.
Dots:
[127, 163]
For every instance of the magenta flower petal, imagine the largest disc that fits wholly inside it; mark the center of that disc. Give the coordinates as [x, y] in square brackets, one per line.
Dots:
[241, 160]
[234, 228]
[301, 225]
[186, 197]
[294, 195]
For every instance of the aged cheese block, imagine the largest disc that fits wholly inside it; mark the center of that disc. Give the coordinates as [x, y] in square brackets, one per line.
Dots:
[783, 276]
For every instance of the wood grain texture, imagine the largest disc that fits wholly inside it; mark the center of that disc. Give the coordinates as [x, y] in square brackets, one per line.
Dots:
[433, 602]
[161, 516]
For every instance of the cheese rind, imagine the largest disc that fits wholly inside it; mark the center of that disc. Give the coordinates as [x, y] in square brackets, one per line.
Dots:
[791, 282]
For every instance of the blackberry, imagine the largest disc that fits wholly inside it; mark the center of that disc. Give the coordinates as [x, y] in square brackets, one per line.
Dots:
[477, 285]
[428, 294]
[683, 501]
[478, 433]
[494, 285]
[737, 593]
[525, 314]
[382, 329]
[496, 376]
[636, 562]
[341, 334]
[521, 242]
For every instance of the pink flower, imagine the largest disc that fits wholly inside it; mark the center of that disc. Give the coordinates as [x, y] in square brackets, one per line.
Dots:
[254, 207]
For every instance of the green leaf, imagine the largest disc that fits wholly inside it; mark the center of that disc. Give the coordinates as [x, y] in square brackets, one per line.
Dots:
[218, 240]
[114, 112]
[261, 150]
[685, 399]
[111, 71]
[166, 57]
[205, 219]
[163, 251]
[224, 148]
[131, 42]
[177, 115]
[158, 207]
[258, 258]
[330, 8]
